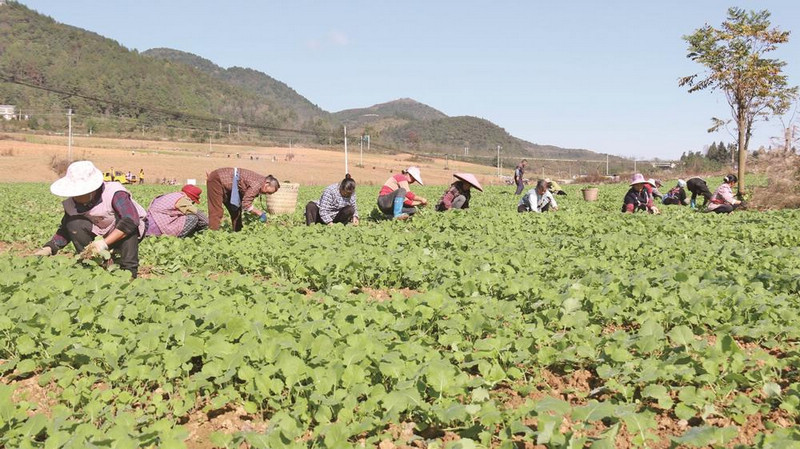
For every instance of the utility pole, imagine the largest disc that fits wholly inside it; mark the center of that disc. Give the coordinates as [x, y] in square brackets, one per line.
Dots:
[69, 137]
[606, 165]
[346, 169]
[361, 149]
[634, 165]
[367, 143]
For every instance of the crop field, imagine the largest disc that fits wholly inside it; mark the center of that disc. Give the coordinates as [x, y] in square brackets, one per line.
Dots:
[482, 328]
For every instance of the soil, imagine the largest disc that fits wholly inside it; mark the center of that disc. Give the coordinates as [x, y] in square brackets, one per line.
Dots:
[27, 158]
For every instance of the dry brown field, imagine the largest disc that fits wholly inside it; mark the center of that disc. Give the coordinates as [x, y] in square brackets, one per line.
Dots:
[27, 158]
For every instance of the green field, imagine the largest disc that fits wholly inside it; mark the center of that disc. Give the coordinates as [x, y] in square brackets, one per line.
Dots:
[476, 328]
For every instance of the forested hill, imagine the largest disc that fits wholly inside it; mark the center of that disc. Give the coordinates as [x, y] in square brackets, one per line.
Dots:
[135, 90]
[261, 84]
[47, 67]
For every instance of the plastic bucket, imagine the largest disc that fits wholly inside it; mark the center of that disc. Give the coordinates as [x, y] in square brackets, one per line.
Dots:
[284, 201]
[589, 194]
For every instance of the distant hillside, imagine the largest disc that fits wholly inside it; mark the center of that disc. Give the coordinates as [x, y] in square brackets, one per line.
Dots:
[48, 67]
[144, 90]
[299, 110]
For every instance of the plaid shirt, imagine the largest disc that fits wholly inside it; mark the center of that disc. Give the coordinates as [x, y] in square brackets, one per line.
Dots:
[250, 184]
[123, 209]
[332, 201]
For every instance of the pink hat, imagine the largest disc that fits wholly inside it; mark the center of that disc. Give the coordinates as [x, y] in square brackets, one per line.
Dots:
[638, 179]
[470, 179]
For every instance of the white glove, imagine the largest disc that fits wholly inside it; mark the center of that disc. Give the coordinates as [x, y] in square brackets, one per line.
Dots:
[94, 249]
[43, 251]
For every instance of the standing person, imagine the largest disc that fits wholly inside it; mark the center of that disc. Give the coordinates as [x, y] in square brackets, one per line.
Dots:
[538, 199]
[637, 198]
[698, 186]
[397, 199]
[458, 195]
[176, 213]
[236, 189]
[336, 205]
[723, 201]
[519, 176]
[676, 195]
[141, 176]
[95, 208]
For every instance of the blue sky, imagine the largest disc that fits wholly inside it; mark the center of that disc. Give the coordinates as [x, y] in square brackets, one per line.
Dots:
[600, 75]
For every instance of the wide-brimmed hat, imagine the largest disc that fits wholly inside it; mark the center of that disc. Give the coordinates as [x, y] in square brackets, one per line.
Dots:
[414, 172]
[652, 182]
[470, 179]
[681, 183]
[638, 179]
[193, 192]
[82, 177]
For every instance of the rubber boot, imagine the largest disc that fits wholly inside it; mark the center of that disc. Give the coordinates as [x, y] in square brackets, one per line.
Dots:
[693, 204]
[398, 208]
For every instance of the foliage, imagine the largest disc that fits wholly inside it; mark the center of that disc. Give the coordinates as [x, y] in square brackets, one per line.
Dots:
[284, 321]
[754, 86]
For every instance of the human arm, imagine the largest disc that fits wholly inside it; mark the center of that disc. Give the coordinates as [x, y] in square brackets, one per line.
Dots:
[186, 206]
[57, 242]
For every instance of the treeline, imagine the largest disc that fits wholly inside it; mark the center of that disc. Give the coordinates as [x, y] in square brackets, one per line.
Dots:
[715, 157]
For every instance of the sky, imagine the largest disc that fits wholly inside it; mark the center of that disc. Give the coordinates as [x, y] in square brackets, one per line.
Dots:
[598, 75]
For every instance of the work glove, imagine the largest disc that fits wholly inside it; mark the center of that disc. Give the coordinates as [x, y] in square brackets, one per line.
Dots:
[263, 217]
[43, 251]
[94, 249]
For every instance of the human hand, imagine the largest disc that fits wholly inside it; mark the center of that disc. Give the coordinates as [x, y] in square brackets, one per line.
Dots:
[263, 217]
[422, 201]
[95, 248]
[43, 251]
[355, 221]
[655, 211]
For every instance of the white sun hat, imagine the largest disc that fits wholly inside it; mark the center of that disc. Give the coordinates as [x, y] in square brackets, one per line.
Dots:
[470, 179]
[82, 177]
[414, 172]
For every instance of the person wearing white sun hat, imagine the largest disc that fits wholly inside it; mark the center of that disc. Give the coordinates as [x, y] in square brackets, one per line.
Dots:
[637, 198]
[676, 195]
[397, 199]
[95, 208]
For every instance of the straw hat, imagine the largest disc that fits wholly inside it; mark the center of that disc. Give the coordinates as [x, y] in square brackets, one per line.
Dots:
[414, 172]
[82, 177]
[638, 179]
[193, 192]
[470, 179]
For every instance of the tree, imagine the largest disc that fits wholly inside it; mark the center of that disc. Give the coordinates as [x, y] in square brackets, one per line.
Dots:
[733, 56]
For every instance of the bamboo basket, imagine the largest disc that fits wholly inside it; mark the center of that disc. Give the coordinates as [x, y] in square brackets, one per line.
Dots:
[284, 201]
[589, 194]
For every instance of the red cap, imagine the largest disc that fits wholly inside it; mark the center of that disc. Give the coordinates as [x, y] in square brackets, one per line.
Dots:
[193, 192]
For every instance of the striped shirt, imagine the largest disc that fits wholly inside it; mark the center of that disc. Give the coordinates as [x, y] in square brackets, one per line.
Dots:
[332, 201]
[250, 184]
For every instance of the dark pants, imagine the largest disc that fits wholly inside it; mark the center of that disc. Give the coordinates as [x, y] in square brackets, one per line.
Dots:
[524, 208]
[458, 202]
[698, 187]
[194, 224]
[520, 187]
[345, 214]
[726, 208]
[126, 250]
[386, 203]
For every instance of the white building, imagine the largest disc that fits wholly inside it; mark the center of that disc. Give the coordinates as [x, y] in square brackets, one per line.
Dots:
[7, 111]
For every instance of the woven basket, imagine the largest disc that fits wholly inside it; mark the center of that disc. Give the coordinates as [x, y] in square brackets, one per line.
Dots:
[589, 194]
[284, 201]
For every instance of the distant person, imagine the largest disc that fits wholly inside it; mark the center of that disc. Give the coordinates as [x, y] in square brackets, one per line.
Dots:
[538, 199]
[458, 195]
[396, 198]
[698, 186]
[676, 195]
[95, 208]
[723, 201]
[336, 205]
[141, 176]
[236, 189]
[652, 186]
[519, 176]
[554, 188]
[176, 213]
[637, 198]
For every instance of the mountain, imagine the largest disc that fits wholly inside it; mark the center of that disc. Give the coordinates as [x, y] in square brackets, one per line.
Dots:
[47, 67]
[272, 91]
